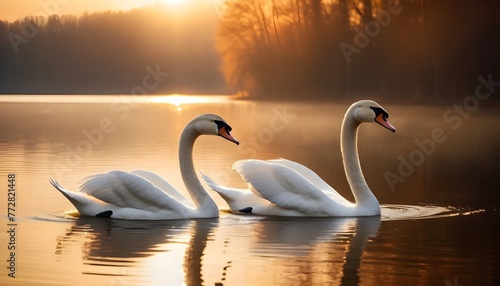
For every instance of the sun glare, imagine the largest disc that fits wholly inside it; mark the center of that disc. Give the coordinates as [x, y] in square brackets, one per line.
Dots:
[178, 100]
[174, 2]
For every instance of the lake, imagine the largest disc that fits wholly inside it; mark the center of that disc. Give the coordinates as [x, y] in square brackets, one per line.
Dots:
[436, 179]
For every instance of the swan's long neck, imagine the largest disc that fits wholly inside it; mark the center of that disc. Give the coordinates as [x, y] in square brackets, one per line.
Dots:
[362, 193]
[201, 198]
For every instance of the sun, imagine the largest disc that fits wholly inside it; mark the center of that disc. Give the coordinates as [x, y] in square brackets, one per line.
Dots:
[174, 2]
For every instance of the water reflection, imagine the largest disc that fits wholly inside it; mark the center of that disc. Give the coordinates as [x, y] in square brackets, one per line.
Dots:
[311, 250]
[174, 252]
[158, 251]
[135, 252]
[365, 229]
[192, 265]
[282, 236]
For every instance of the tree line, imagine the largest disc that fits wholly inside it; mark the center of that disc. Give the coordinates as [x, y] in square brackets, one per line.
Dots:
[402, 49]
[407, 50]
[111, 52]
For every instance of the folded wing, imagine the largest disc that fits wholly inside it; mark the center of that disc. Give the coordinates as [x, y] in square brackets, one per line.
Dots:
[314, 179]
[285, 187]
[163, 185]
[129, 190]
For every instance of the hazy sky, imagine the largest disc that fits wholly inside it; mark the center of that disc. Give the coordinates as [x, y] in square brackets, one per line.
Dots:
[12, 10]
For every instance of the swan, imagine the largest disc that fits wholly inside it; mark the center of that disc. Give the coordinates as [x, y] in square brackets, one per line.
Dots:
[144, 195]
[286, 188]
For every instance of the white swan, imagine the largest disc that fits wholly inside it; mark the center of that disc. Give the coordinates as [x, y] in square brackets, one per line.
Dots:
[285, 188]
[145, 195]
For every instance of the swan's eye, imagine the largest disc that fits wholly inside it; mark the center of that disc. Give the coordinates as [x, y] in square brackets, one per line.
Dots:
[221, 125]
[378, 111]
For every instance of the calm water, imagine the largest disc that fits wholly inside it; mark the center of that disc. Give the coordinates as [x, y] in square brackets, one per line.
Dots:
[437, 178]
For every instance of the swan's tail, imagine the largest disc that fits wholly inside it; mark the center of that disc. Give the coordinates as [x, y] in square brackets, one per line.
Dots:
[237, 199]
[84, 204]
[212, 184]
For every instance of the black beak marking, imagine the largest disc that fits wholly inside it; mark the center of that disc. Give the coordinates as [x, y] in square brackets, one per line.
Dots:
[222, 124]
[379, 111]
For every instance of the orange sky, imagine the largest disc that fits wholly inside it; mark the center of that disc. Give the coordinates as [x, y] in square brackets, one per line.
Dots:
[13, 10]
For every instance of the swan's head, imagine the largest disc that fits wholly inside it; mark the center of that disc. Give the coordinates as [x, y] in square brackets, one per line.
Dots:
[211, 124]
[370, 111]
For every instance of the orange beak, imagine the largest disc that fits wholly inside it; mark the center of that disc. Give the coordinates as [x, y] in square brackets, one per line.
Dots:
[225, 133]
[380, 119]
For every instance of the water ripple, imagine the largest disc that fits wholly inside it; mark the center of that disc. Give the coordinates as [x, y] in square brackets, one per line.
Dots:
[392, 212]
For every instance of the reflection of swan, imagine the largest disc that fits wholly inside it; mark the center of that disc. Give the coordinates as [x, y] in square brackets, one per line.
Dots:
[285, 188]
[287, 237]
[155, 249]
[202, 230]
[144, 195]
[366, 227]
[117, 240]
[307, 251]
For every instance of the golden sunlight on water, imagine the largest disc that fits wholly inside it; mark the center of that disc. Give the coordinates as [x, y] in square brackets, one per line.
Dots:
[178, 99]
